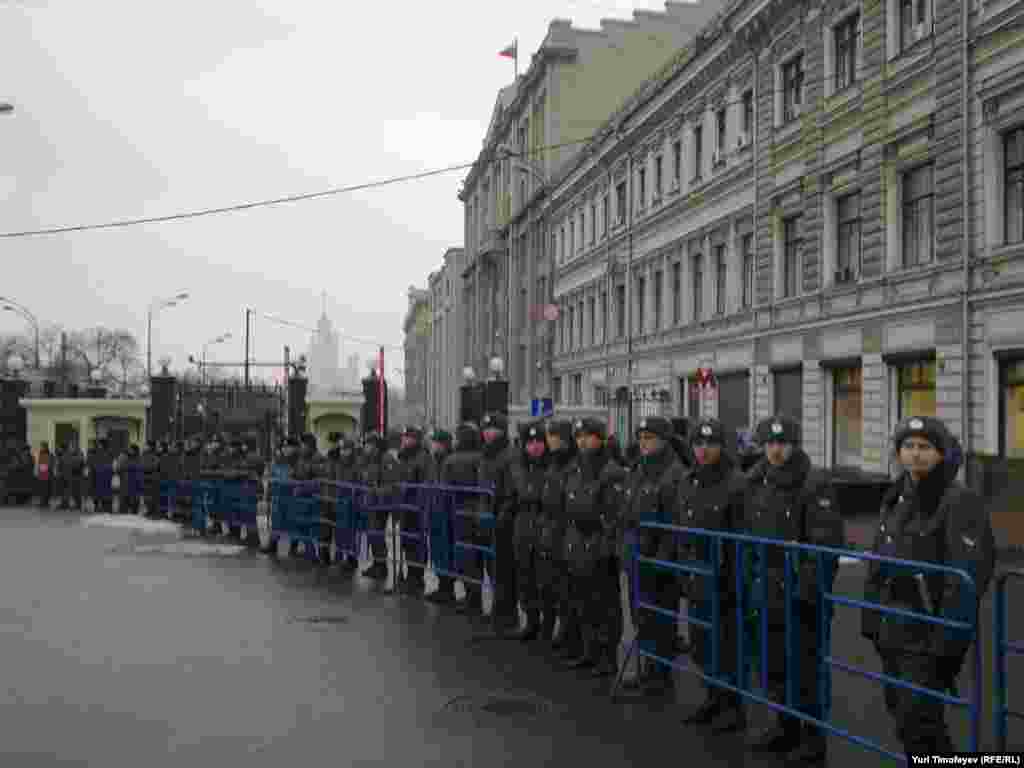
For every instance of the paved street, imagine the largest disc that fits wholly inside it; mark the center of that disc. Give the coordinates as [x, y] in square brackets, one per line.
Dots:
[128, 646]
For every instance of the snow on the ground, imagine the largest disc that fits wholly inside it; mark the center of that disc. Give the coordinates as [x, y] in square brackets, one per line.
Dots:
[192, 548]
[131, 522]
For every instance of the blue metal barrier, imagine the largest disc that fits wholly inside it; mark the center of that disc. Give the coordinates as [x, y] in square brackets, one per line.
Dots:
[169, 490]
[825, 599]
[350, 519]
[203, 497]
[460, 502]
[1002, 649]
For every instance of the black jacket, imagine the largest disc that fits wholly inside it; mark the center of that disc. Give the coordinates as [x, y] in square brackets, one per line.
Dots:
[649, 487]
[497, 470]
[561, 465]
[792, 502]
[955, 531]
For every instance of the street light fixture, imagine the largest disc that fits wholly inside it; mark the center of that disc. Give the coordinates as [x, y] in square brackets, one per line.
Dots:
[468, 373]
[96, 376]
[15, 364]
[156, 306]
[219, 340]
[497, 365]
[13, 306]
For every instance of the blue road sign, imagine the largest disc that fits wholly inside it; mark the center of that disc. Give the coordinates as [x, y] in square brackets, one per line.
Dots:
[542, 408]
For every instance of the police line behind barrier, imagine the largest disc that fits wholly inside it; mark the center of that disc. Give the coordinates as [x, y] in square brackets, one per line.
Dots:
[825, 598]
[1002, 649]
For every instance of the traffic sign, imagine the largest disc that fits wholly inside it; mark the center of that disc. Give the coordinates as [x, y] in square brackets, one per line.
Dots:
[542, 408]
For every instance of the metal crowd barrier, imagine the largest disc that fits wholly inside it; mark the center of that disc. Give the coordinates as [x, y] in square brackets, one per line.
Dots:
[825, 599]
[1002, 649]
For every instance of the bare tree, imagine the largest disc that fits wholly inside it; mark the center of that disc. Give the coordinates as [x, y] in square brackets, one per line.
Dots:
[115, 354]
[15, 344]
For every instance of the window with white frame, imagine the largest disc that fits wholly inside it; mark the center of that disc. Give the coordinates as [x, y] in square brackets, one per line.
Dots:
[698, 287]
[748, 114]
[620, 202]
[577, 389]
[605, 212]
[590, 320]
[698, 150]
[848, 237]
[620, 311]
[593, 223]
[918, 216]
[720, 278]
[1013, 185]
[677, 162]
[792, 87]
[580, 306]
[747, 267]
[914, 21]
[572, 327]
[790, 256]
[556, 390]
[658, 179]
[720, 128]
[641, 188]
[846, 37]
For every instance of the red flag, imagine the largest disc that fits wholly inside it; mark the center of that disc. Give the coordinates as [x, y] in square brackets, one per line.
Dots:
[509, 52]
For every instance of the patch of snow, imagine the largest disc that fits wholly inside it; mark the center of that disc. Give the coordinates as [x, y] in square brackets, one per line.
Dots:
[192, 549]
[131, 522]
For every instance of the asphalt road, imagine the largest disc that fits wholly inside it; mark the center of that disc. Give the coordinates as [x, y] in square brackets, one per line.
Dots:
[127, 646]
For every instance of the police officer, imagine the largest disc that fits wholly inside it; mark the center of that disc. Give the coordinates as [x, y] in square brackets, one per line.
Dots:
[497, 468]
[654, 479]
[172, 470]
[74, 471]
[463, 468]
[440, 524]
[151, 478]
[378, 466]
[288, 458]
[414, 467]
[788, 500]
[926, 516]
[593, 496]
[710, 496]
[344, 469]
[529, 515]
[553, 576]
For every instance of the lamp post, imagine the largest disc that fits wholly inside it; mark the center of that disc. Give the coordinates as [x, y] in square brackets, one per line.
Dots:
[13, 306]
[15, 364]
[219, 340]
[156, 306]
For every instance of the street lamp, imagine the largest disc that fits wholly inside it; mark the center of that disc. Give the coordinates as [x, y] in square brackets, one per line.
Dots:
[469, 374]
[497, 365]
[13, 306]
[156, 306]
[219, 340]
[15, 364]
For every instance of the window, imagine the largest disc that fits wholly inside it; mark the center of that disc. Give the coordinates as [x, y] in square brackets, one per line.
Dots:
[747, 251]
[720, 126]
[593, 223]
[1011, 409]
[590, 318]
[845, 35]
[748, 113]
[641, 191]
[913, 18]
[620, 202]
[698, 150]
[583, 228]
[916, 389]
[604, 316]
[556, 390]
[790, 256]
[847, 416]
[561, 252]
[720, 267]
[1013, 153]
[918, 216]
[848, 251]
[641, 305]
[572, 326]
[577, 389]
[620, 311]
[572, 238]
[677, 293]
[698, 287]
[554, 245]
[659, 277]
[677, 161]
[605, 209]
[601, 396]
[792, 87]
[658, 180]
[788, 393]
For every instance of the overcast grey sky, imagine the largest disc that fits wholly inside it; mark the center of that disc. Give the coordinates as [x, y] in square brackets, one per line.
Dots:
[127, 109]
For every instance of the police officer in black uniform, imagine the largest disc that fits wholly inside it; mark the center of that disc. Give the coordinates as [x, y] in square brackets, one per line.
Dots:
[654, 479]
[414, 467]
[553, 575]
[710, 496]
[529, 515]
[497, 470]
[379, 471]
[343, 468]
[463, 468]
[926, 516]
[593, 498]
[788, 500]
[74, 471]
[440, 526]
[151, 477]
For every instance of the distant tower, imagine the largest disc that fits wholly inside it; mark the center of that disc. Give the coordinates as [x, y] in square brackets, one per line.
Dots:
[323, 355]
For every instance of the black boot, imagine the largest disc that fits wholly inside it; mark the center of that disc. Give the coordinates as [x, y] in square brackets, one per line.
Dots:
[782, 737]
[529, 632]
[377, 570]
[445, 592]
[270, 548]
[813, 747]
[325, 555]
[708, 711]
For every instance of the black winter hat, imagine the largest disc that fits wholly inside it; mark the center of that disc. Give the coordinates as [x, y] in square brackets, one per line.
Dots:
[778, 429]
[709, 431]
[467, 436]
[681, 426]
[657, 425]
[495, 420]
[590, 426]
[928, 427]
[561, 427]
